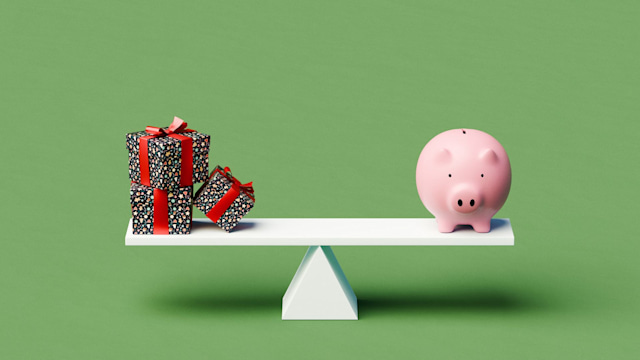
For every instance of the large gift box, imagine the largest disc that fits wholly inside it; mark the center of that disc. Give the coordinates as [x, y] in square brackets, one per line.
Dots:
[164, 158]
[223, 199]
[161, 212]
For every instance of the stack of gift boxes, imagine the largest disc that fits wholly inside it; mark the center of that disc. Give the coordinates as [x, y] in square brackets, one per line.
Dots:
[164, 165]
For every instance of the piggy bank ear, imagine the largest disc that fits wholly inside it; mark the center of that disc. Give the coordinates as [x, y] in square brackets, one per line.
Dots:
[442, 156]
[489, 156]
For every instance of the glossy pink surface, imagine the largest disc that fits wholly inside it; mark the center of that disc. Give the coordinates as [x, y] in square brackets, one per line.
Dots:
[463, 178]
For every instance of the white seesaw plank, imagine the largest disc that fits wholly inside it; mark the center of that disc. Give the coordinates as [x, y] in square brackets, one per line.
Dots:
[329, 232]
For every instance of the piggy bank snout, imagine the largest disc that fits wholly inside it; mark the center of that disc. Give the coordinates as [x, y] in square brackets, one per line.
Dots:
[465, 199]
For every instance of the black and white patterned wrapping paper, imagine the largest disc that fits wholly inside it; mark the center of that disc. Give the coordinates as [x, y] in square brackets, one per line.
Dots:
[212, 191]
[165, 158]
[179, 204]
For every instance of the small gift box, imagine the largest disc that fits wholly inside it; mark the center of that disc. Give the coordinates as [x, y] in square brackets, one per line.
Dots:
[224, 199]
[161, 212]
[169, 157]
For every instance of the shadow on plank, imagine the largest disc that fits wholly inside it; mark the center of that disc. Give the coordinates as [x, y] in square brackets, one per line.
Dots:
[201, 224]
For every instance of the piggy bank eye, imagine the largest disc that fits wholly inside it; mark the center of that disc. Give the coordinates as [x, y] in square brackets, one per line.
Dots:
[449, 175]
[481, 175]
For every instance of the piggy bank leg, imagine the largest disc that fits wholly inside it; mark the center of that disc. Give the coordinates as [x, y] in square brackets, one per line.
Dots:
[482, 226]
[445, 226]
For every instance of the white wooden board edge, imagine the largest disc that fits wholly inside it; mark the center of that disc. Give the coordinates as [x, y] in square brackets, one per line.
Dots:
[329, 232]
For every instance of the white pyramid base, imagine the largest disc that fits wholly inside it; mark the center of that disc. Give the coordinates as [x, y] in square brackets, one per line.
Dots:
[319, 290]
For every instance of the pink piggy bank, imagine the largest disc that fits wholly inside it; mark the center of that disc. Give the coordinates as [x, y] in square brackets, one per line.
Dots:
[463, 178]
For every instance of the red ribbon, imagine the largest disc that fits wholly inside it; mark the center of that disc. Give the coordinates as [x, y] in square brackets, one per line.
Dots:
[186, 146]
[160, 212]
[227, 199]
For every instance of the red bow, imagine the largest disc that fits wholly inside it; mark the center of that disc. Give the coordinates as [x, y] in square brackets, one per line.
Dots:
[177, 126]
[248, 187]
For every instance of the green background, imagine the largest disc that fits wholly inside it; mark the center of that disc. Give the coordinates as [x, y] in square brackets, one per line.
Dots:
[325, 106]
